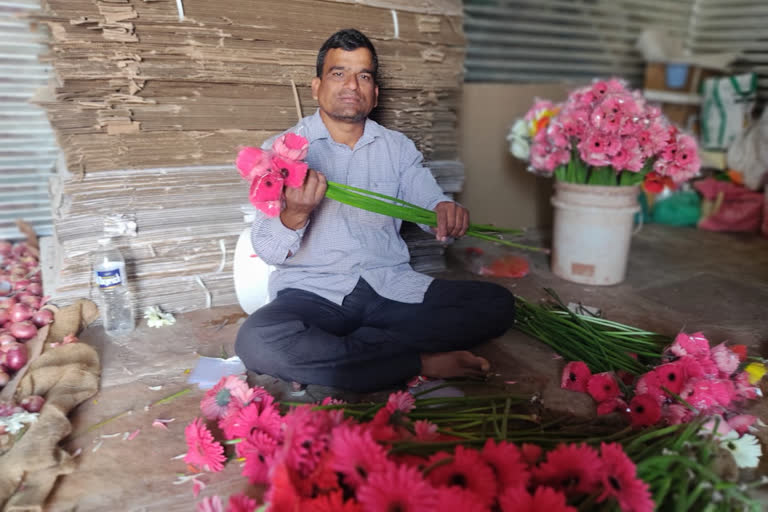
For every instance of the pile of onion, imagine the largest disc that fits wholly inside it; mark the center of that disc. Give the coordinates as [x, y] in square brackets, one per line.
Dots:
[21, 300]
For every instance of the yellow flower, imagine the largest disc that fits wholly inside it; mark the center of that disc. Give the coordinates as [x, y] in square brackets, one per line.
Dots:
[755, 371]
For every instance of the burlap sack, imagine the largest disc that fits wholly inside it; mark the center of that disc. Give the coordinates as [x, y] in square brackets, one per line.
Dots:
[66, 376]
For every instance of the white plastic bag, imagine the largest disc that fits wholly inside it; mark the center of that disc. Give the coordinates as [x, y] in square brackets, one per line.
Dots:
[726, 108]
[749, 154]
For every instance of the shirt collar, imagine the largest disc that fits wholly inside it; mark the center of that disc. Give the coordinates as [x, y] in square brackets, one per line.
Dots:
[316, 130]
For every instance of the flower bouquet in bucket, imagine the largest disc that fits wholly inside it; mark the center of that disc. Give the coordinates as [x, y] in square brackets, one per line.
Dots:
[600, 144]
[271, 170]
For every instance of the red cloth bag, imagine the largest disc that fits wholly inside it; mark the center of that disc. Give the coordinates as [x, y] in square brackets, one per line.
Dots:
[729, 207]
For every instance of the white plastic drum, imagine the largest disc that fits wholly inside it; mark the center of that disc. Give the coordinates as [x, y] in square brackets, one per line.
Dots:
[251, 275]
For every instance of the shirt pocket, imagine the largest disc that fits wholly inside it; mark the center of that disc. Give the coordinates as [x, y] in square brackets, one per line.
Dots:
[382, 186]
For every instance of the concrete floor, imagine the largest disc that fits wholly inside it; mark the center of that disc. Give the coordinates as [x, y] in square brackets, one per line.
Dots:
[678, 279]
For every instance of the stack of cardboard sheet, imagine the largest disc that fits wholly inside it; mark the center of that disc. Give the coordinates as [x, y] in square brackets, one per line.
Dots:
[152, 102]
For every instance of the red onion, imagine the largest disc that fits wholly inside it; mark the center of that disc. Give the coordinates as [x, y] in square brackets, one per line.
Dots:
[16, 357]
[23, 330]
[19, 248]
[7, 408]
[36, 278]
[5, 247]
[33, 301]
[20, 312]
[18, 269]
[35, 288]
[42, 317]
[32, 403]
[5, 339]
[4, 315]
[4, 378]
[7, 302]
[21, 284]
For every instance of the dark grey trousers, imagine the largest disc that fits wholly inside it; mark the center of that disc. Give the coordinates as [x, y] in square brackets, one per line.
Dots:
[369, 342]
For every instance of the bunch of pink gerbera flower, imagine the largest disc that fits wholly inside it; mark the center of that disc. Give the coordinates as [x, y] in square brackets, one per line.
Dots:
[694, 380]
[604, 134]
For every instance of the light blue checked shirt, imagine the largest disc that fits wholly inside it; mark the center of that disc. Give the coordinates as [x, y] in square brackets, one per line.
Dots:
[341, 243]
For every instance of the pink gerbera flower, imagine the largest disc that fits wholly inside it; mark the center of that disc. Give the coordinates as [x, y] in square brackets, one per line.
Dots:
[252, 162]
[266, 188]
[675, 414]
[454, 499]
[572, 468]
[241, 503]
[725, 359]
[619, 476]
[259, 452]
[644, 410]
[356, 453]
[466, 470]
[401, 401]
[518, 499]
[291, 146]
[219, 400]
[306, 438]
[744, 389]
[699, 393]
[210, 504]
[249, 421]
[742, 422]
[291, 171]
[381, 427]
[690, 344]
[649, 384]
[507, 464]
[671, 376]
[425, 430]
[203, 452]
[691, 367]
[602, 387]
[400, 488]
[576, 374]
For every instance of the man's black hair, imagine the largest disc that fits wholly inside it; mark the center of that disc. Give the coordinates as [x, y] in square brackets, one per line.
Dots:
[347, 39]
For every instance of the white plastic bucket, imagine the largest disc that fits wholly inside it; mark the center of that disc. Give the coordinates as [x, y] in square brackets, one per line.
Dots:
[251, 275]
[592, 232]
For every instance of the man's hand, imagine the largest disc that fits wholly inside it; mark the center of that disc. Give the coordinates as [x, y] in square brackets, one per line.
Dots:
[299, 202]
[452, 220]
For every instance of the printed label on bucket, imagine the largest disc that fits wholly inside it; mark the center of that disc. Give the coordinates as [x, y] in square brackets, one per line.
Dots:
[583, 269]
[108, 278]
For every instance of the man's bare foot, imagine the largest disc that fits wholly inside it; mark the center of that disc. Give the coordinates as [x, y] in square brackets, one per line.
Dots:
[461, 363]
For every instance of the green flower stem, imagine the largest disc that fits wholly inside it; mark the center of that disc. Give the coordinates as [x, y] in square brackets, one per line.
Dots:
[394, 207]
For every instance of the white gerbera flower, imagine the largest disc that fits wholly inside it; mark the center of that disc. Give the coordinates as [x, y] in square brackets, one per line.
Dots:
[157, 318]
[746, 450]
[519, 144]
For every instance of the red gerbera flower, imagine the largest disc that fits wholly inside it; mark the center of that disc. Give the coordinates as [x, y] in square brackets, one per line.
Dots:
[400, 488]
[454, 499]
[356, 454]
[612, 405]
[517, 499]
[531, 453]
[649, 384]
[644, 410]
[572, 468]
[241, 503]
[282, 495]
[306, 439]
[576, 374]
[467, 470]
[401, 401]
[603, 386]
[507, 464]
[740, 351]
[332, 502]
[381, 428]
[292, 171]
[671, 376]
[620, 481]
[203, 452]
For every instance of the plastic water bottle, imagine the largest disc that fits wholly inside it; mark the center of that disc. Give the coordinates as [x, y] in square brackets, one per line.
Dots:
[116, 307]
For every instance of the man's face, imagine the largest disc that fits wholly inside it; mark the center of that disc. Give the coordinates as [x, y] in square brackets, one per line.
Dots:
[346, 92]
